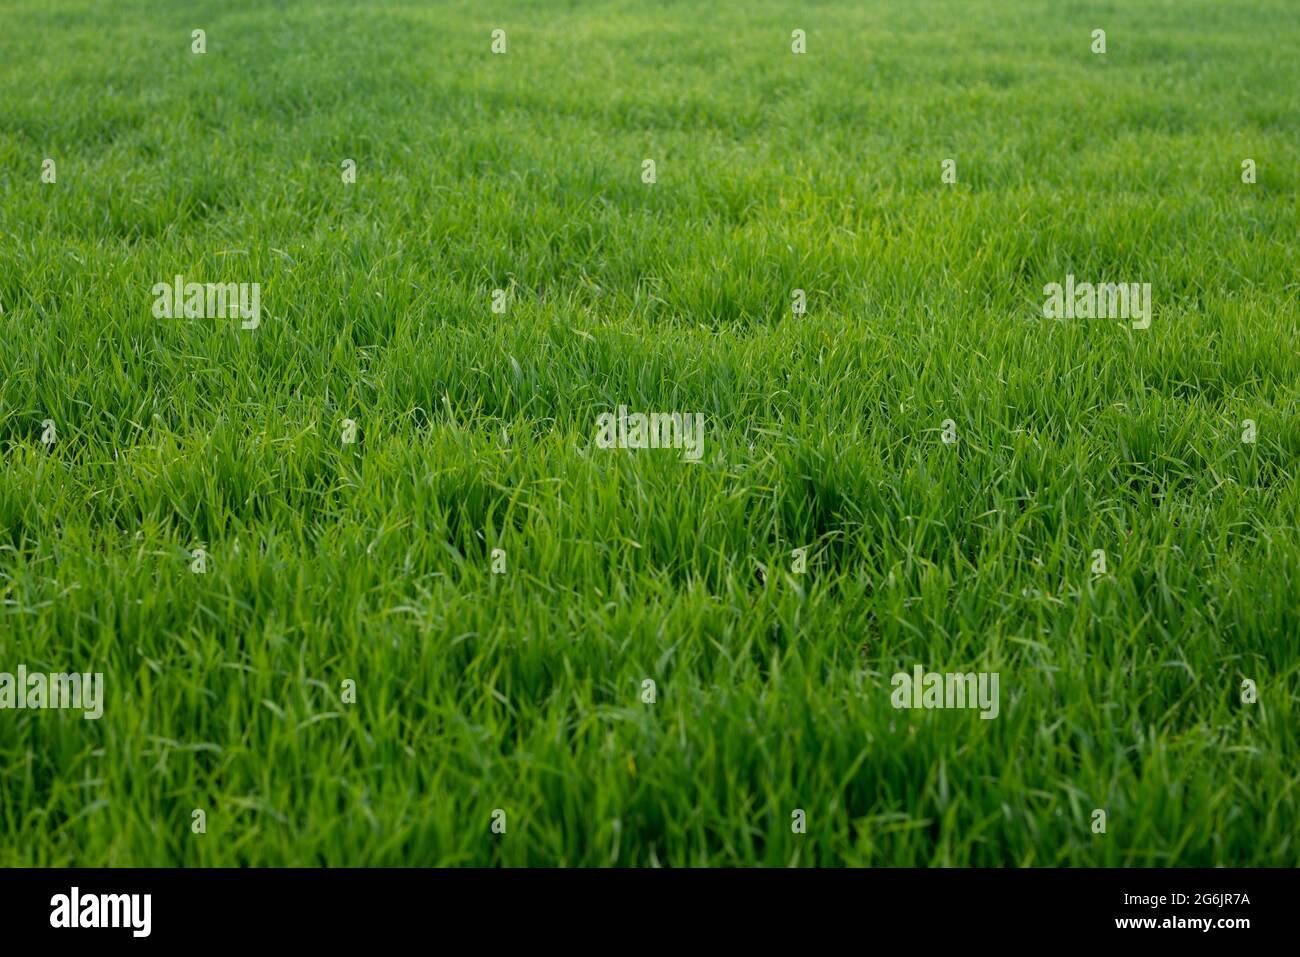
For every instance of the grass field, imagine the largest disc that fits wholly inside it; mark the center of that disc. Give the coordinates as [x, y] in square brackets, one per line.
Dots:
[128, 442]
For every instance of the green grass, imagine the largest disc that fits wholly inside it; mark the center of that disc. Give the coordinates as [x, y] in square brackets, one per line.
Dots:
[522, 691]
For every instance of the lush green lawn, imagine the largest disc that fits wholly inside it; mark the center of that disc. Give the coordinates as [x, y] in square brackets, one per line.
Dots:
[522, 691]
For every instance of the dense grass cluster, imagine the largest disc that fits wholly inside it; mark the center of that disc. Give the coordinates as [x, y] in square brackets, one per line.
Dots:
[522, 691]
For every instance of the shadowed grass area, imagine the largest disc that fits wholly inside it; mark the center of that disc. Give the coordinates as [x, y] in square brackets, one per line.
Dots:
[371, 562]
